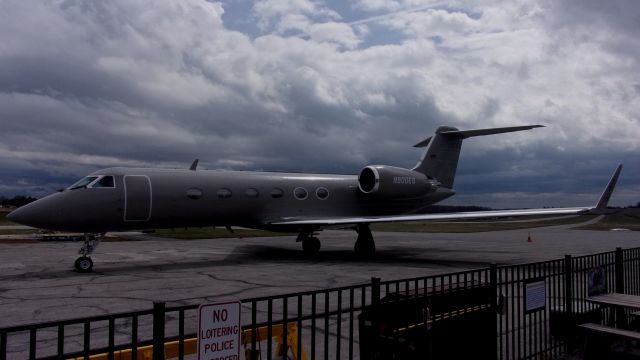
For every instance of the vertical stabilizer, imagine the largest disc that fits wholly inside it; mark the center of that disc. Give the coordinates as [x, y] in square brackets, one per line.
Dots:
[440, 159]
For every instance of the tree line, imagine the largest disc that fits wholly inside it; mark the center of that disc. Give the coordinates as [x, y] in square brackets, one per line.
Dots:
[16, 201]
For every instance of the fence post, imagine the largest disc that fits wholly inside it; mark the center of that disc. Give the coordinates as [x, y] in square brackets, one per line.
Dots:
[158, 330]
[493, 298]
[568, 285]
[375, 290]
[3, 346]
[619, 266]
[493, 283]
[568, 297]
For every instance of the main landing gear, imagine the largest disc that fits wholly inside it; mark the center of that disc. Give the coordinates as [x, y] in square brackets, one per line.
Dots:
[310, 243]
[365, 246]
[84, 262]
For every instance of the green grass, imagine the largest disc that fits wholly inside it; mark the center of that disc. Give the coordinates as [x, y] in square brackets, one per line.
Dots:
[31, 236]
[623, 220]
[210, 233]
[17, 241]
[19, 232]
[480, 226]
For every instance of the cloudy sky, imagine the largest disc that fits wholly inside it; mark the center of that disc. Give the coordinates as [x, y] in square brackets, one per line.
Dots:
[324, 86]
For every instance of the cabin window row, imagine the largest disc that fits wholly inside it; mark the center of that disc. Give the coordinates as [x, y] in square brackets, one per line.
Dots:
[299, 193]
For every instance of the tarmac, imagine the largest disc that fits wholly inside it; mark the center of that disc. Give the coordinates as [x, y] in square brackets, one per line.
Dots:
[38, 283]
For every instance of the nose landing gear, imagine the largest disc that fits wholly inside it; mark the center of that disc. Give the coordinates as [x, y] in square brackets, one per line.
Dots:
[84, 262]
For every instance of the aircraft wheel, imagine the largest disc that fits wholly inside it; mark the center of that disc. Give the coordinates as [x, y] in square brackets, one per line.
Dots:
[364, 248]
[311, 245]
[84, 264]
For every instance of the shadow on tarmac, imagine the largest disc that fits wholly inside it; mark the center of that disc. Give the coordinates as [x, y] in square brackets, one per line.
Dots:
[252, 254]
[400, 255]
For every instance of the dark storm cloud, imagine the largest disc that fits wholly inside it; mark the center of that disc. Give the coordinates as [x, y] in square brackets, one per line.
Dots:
[619, 15]
[611, 24]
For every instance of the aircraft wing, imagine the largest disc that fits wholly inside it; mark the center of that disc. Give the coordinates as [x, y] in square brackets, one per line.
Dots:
[599, 208]
[430, 217]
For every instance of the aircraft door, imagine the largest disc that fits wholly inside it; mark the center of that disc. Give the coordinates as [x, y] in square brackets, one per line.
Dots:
[137, 198]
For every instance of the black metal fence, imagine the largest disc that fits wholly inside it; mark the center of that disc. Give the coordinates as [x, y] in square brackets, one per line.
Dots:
[485, 310]
[551, 332]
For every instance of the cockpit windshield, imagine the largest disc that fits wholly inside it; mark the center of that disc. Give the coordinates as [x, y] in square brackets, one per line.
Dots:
[94, 181]
[105, 181]
[83, 182]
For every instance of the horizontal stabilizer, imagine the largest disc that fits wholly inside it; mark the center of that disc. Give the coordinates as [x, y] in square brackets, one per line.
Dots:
[463, 134]
[480, 132]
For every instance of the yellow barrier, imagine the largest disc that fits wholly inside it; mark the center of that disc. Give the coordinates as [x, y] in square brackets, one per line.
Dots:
[191, 345]
[146, 352]
[276, 331]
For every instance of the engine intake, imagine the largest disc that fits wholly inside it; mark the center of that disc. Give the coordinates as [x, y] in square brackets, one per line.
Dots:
[394, 182]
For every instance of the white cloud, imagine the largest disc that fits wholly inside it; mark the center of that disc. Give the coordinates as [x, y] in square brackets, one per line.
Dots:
[430, 23]
[308, 19]
[269, 12]
[163, 82]
[395, 5]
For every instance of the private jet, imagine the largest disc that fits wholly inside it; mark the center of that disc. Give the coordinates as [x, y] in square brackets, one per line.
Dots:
[123, 199]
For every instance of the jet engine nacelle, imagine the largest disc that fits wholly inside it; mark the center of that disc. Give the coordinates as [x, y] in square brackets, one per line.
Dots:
[394, 182]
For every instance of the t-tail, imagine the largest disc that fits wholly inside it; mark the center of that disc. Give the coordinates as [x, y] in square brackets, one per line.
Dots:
[440, 159]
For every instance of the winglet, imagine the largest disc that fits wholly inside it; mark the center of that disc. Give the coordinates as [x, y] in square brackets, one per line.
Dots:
[606, 194]
[194, 165]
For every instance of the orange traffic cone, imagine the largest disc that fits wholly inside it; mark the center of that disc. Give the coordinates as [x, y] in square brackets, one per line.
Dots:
[529, 239]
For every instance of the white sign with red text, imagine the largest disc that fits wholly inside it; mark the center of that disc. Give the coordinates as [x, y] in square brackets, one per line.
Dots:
[219, 331]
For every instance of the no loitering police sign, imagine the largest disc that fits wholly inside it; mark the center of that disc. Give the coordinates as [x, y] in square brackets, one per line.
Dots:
[219, 331]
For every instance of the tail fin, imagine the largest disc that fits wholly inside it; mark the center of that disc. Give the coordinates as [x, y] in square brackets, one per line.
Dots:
[440, 159]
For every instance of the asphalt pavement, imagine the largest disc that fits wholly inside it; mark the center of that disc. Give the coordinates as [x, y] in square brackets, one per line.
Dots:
[38, 283]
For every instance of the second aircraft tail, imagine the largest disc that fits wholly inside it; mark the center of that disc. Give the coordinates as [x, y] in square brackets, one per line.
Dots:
[440, 159]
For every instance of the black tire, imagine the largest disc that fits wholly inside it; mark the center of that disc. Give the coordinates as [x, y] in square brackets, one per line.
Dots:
[365, 249]
[311, 245]
[84, 264]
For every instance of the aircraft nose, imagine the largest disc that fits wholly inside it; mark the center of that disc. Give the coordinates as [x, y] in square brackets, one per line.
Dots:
[40, 213]
[23, 215]
[11, 216]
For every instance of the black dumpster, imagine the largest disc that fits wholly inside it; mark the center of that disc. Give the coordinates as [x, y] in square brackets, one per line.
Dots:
[442, 322]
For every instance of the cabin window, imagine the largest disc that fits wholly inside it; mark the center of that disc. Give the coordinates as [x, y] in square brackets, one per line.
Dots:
[194, 193]
[322, 193]
[300, 193]
[277, 193]
[224, 193]
[104, 182]
[83, 183]
[252, 193]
